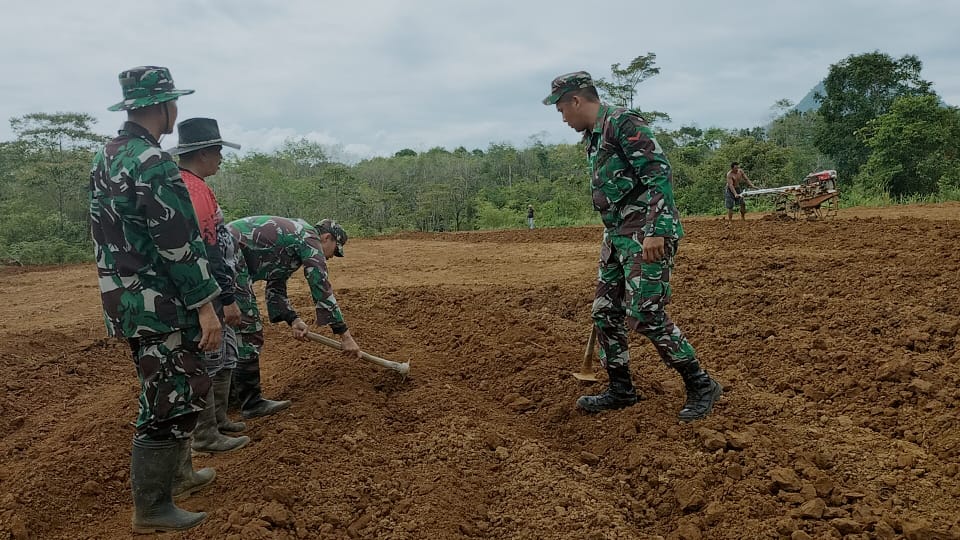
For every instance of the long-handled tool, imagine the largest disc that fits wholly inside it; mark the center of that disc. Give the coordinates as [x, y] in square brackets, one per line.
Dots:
[586, 369]
[402, 369]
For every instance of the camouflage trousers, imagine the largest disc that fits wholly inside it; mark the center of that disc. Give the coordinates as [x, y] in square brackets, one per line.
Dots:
[632, 292]
[226, 356]
[248, 352]
[173, 384]
[250, 333]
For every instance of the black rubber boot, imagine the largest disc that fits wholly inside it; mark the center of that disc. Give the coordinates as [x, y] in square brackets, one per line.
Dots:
[207, 437]
[152, 468]
[619, 394]
[263, 407]
[252, 403]
[187, 481]
[702, 393]
[221, 396]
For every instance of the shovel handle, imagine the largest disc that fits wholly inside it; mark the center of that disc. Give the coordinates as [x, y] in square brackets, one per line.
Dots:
[403, 368]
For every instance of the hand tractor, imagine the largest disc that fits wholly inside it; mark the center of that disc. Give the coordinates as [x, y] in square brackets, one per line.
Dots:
[816, 197]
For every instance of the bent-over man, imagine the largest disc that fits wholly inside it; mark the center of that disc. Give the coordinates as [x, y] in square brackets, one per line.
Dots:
[272, 248]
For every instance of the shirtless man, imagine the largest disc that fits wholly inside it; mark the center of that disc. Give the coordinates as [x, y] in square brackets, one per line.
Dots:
[731, 192]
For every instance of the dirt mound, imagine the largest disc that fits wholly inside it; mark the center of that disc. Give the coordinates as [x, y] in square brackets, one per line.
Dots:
[836, 344]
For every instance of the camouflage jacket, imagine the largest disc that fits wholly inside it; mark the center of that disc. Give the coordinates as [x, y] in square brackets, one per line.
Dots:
[630, 176]
[217, 239]
[273, 248]
[151, 262]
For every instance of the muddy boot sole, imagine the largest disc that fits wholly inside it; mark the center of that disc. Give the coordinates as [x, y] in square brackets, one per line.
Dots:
[221, 445]
[187, 520]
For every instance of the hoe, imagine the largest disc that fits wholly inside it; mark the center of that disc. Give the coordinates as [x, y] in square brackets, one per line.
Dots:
[586, 369]
[402, 369]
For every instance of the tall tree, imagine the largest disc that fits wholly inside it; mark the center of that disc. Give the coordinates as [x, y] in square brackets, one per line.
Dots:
[57, 152]
[11, 153]
[795, 131]
[914, 148]
[858, 89]
[57, 132]
[622, 87]
[304, 155]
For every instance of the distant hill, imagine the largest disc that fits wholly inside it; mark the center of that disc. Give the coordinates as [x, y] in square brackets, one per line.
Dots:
[809, 102]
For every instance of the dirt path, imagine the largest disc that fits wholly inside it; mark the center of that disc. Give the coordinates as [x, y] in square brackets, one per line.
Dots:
[836, 343]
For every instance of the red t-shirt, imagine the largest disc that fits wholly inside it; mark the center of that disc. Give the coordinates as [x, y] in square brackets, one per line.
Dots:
[205, 205]
[215, 235]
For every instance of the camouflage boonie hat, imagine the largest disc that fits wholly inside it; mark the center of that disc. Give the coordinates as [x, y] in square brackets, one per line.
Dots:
[332, 227]
[144, 86]
[566, 83]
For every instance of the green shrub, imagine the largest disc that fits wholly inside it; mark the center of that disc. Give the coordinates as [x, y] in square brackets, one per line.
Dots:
[491, 217]
[51, 251]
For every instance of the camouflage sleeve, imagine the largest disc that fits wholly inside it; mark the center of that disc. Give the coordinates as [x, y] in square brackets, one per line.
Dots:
[220, 273]
[223, 265]
[279, 307]
[172, 224]
[645, 155]
[315, 270]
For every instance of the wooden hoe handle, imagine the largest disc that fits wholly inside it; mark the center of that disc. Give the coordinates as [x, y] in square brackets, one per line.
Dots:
[591, 345]
[586, 368]
[403, 368]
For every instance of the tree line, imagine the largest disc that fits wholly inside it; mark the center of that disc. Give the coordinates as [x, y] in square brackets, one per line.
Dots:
[879, 123]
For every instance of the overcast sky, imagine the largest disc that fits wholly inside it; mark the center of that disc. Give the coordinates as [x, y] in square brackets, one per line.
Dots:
[379, 76]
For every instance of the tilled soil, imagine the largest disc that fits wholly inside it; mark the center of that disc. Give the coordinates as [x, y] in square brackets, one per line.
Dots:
[836, 343]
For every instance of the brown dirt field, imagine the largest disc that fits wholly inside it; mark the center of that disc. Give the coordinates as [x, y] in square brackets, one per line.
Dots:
[836, 343]
[934, 211]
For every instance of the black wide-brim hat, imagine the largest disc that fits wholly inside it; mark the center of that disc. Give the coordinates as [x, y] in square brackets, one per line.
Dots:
[197, 133]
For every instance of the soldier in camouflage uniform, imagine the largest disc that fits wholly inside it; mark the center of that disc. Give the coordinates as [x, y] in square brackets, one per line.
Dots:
[272, 248]
[632, 189]
[157, 293]
[199, 149]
